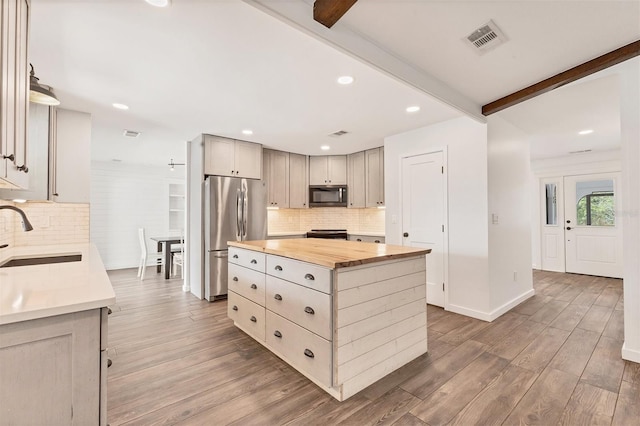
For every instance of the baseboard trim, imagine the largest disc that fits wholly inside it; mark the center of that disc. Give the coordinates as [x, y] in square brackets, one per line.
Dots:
[630, 354]
[491, 316]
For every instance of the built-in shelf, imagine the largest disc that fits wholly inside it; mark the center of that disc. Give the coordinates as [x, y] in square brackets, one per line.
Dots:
[176, 206]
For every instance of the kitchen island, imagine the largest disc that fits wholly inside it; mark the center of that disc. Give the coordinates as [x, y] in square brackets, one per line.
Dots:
[342, 313]
[53, 336]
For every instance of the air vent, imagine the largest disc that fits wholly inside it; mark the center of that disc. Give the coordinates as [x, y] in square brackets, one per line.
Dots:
[338, 133]
[131, 133]
[486, 38]
[582, 151]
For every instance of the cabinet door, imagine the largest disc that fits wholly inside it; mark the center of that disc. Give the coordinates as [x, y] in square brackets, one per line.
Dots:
[356, 180]
[318, 170]
[71, 159]
[298, 181]
[248, 160]
[50, 369]
[337, 169]
[375, 177]
[277, 178]
[14, 92]
[219, 155]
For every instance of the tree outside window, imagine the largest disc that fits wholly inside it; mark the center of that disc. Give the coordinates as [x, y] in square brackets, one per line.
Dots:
[596, 209]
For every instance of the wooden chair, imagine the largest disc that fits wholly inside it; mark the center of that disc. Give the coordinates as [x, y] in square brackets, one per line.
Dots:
[155, 258]
[178, 260]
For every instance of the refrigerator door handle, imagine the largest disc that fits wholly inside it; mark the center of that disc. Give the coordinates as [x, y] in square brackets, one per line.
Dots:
[239, 215]
[245, 213]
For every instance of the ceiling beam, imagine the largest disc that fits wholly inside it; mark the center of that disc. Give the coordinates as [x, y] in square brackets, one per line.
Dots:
[598, 64]
[328, 12]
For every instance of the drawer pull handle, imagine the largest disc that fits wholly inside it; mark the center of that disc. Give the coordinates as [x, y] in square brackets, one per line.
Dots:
[235, 278]
[359, 239]
[308, 353]
[277, 297]
[235, 256]
[253, 319]
[309, 310]
[253, 286]
[377, 241]
[255, 262]
[235, 308]
[309, 277]
[277, 334]
[278, 268]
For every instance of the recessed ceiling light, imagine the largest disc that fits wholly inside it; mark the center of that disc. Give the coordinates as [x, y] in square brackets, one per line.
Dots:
[247, 132]
[325, 147]
[345, 79]
[585, 132]
[120, 106]
[159, 3]
[414, 108]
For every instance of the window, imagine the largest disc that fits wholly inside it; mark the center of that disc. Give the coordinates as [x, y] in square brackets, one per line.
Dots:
[551, 203]
[595, 203]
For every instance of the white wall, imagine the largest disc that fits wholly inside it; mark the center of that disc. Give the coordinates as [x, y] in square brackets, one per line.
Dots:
[630, 134]
[466, 143]
[124, 198]
[509, 173]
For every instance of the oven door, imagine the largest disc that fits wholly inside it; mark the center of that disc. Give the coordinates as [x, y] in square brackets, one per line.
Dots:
[327, 196]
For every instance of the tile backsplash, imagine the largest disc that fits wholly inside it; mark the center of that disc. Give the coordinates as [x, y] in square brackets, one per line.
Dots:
[303, 220]
[53, 223]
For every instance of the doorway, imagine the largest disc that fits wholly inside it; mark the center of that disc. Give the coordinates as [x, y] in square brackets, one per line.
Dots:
[581, 232]
[424, 212]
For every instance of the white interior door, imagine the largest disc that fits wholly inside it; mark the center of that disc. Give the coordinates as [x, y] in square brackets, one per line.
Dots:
[593, 230]
[423, 216]
[552, 215]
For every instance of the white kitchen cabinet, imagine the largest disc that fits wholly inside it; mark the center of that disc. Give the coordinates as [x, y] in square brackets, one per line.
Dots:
[374, 165]
[276, 173]
[53, 370]
[230, 157]
[14, 93]
[328, 170]
[298, 181]
[366, 238]
[69, 156]
[356, 180]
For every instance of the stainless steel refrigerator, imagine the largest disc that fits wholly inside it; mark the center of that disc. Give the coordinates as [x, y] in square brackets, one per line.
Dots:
[235, 209]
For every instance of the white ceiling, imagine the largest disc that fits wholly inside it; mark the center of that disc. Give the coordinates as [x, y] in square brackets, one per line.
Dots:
[222, 66]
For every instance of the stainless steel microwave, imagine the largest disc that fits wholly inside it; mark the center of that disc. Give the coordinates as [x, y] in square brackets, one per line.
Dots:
[328, 196]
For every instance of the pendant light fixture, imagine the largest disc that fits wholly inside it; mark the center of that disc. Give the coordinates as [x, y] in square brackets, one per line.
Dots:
[39, 93]
[172, 165]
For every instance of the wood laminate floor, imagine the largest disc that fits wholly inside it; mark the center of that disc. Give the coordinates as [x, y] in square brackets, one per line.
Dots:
[554, 359]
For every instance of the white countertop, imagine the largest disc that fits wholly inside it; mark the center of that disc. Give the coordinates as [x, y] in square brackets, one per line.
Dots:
[38, 291]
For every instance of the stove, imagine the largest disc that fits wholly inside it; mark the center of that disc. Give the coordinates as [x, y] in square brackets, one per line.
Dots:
[334, 234]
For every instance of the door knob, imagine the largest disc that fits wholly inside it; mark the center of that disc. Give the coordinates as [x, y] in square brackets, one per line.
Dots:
[568, 221]
[568, 228]
[406, 234]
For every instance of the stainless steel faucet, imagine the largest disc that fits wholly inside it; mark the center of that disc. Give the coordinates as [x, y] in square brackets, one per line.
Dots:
[26, 225]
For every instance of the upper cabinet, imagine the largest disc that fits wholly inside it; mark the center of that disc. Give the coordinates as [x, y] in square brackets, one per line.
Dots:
[69, 156]
[276, 174]
[230, 157]
[298, 181]
[14, 93]
[328, 170]
[356, 180]
[374, 165]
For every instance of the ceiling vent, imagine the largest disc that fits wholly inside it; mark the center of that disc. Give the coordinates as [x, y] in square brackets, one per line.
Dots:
[338, 133]
[486, 38]
[131, 133]
[582, 151]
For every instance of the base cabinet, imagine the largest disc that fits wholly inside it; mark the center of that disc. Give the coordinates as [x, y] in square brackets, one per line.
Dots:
[53, 370]
[342, 328]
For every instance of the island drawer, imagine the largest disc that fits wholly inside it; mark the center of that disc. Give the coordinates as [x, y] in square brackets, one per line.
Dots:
[305, 274]
[306, 307]
[306, 351]
[248, 315]
[247, 258]
[247, 282]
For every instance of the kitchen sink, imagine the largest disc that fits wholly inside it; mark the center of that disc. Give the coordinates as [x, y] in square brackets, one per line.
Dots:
[41, 260]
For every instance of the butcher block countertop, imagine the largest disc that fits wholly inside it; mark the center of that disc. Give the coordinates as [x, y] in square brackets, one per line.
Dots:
[330, 253]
